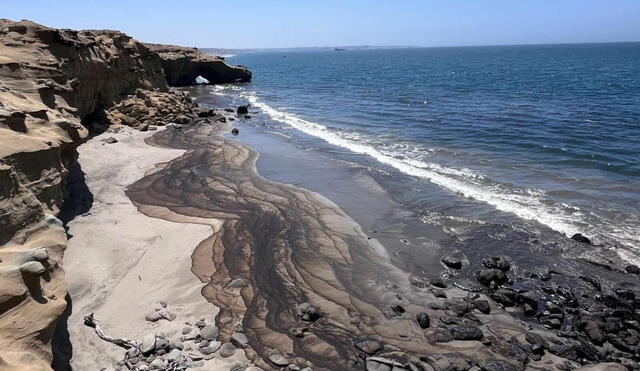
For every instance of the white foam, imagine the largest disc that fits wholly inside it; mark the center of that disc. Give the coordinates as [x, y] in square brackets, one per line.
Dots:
[529, 204]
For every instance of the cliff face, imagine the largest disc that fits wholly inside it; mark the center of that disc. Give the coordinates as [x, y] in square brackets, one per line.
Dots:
[50, 81]
[182, 65]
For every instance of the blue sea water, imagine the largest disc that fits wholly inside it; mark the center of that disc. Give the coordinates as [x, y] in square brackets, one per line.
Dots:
[546, 135]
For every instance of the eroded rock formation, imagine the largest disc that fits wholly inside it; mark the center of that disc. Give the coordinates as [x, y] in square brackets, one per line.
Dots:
[182, 65]
[51, 82]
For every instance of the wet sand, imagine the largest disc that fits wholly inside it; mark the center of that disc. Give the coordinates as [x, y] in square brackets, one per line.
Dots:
[292, 246]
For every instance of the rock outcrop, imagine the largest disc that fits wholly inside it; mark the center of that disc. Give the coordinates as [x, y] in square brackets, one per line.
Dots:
[182, 65]
[52, 83]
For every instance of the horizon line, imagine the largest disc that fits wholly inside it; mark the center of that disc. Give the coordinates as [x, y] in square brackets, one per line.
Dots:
[426, 47]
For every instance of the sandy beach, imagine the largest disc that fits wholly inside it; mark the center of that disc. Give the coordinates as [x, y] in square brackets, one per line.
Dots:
[121, 264]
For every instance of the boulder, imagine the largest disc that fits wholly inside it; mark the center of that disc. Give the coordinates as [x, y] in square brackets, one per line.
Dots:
[242, 110]
[235, 131]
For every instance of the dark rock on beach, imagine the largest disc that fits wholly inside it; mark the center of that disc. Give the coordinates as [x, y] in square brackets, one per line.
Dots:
[452, 262]
[466, 333]
[578, 237]
[423, 320]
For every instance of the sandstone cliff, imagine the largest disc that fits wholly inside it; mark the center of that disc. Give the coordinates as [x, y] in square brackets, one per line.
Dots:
[182, 65]
[52, 81]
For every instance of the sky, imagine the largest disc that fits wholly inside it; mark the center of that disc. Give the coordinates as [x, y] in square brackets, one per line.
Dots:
[290, 23]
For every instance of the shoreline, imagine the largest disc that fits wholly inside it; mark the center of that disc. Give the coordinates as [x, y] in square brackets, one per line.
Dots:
[334, 278]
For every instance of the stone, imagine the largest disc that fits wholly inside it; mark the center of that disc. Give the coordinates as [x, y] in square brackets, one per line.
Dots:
[466, 332]
[368, 346]
[504, 297]
[227, 350]
[382, 364]
[33, 268]
[439, 335]
[158, 364]
[278, 359]
[483, 306]
[182, 120]
[452, 262]
[438, 282]
[307, 312]
[204, 112]
[153, 317]
[423, 320]
[632, 269]
[235, 131]
[174, 355]
[209, 332]
[237, 283]
[239, 339]
[579, 237]
[487, 276]
[148, 343]
[242, 110]
[186, 330]
[497, 262]
[169, 316]
[40, 254]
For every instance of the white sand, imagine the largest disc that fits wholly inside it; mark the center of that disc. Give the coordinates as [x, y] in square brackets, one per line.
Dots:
[120, 263]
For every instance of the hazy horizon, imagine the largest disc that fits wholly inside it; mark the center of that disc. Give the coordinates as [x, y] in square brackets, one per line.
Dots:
[296, 24]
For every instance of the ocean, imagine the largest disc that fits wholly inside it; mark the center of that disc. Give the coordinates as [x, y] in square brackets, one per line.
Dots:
[544, 140]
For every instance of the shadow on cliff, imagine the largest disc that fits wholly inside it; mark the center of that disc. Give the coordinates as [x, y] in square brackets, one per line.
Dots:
[61, 346]
[78, 198]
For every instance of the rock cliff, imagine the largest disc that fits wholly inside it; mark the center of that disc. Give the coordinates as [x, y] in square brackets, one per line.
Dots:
[182, 65]
[52, 83]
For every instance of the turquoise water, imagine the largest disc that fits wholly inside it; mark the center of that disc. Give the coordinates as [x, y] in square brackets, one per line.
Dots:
[545, 136]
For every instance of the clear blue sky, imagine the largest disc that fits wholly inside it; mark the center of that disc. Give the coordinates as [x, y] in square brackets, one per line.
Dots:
[288, 23]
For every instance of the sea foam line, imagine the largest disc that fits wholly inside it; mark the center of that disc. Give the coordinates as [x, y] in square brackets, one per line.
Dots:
[527, 204]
